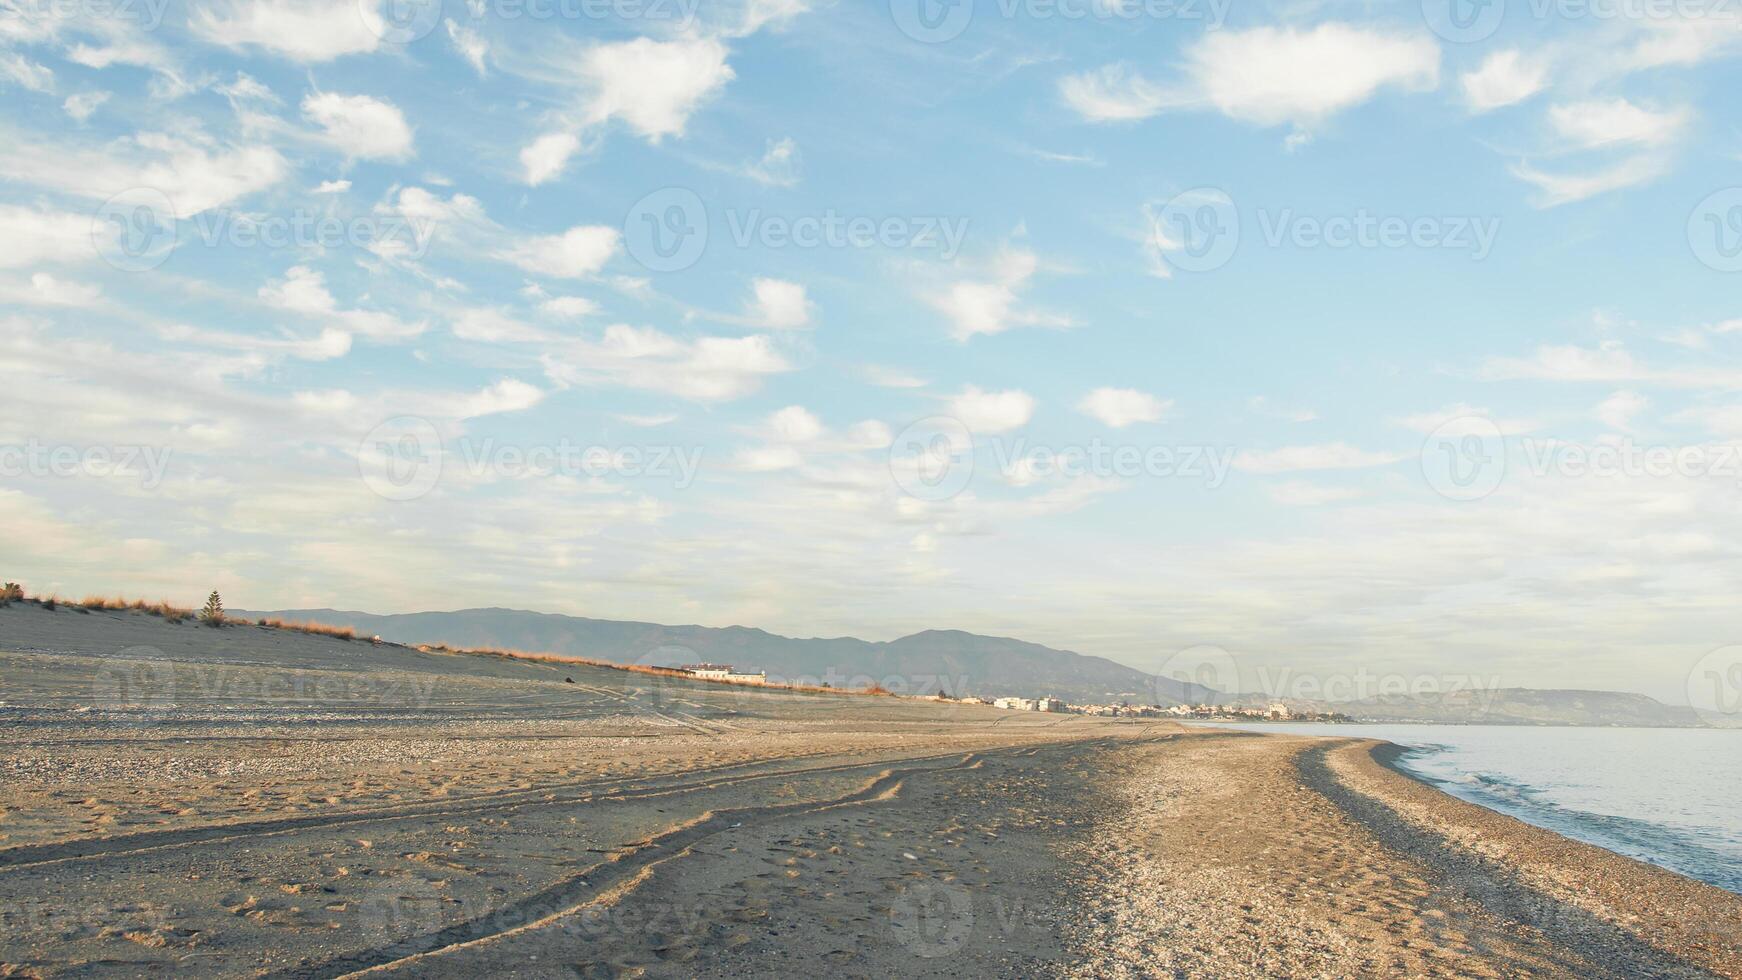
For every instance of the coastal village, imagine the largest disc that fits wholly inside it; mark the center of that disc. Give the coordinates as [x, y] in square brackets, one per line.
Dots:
[1274, 711]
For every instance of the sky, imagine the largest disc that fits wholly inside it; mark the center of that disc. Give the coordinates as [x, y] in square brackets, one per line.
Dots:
[1330, 341]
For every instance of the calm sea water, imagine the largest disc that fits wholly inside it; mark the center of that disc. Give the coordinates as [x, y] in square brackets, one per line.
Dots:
[1672, 797]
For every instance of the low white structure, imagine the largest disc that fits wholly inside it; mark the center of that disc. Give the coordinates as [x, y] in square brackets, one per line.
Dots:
[724, 672]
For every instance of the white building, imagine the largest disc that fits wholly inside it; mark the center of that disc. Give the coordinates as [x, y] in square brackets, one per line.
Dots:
[724, 672]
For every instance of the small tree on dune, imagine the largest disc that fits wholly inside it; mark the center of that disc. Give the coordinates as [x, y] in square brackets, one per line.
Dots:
[213, 613]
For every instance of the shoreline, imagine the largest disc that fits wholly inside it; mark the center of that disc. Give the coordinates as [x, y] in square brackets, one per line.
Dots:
[1633, 901]
[440, 816]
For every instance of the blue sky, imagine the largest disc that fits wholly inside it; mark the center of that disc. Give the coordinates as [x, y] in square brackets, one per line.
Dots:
[1333, 302]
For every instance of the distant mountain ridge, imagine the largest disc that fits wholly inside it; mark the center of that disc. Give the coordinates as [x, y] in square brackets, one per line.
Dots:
[1528, 706]
[955, 662]
[959, 664]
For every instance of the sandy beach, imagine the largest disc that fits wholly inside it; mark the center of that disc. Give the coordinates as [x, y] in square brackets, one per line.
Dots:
[244, 802]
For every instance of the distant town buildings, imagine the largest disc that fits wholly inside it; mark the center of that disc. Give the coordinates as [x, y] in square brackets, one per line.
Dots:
[723, 672]
[1272, 711]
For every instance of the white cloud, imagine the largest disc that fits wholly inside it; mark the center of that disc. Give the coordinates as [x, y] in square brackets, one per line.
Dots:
[360, 126]
[992, 412]
[653, 86]
[569, 306]
[707, 369]
[779, 305]
[194, 173]
[546, 156]
[989, 306]
[46, 290]
[81, 105]
[29, 236]
[301, 30]
[1555, 189]
[1596, 124]
[507, 395]
[303, 290]
[1504, 78]
[24, 73]
[1618, 410]
[1329, 456]
[332, 187]
[757, 14]
[575, 254]
[1267, 75]
[470, 44]
[1121, 407]
[779, 166]
[794, 423]
[493, 326]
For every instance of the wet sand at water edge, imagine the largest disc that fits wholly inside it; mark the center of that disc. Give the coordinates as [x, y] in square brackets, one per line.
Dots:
[192, 802]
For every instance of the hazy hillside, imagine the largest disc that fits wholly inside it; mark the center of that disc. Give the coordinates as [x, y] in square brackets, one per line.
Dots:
[956, 662]
[1525, 706]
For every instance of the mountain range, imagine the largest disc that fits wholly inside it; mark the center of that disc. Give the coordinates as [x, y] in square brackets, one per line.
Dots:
[956, 663]
[951, 661]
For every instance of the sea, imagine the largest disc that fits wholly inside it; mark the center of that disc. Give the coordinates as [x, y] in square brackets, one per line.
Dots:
[1669, 796]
